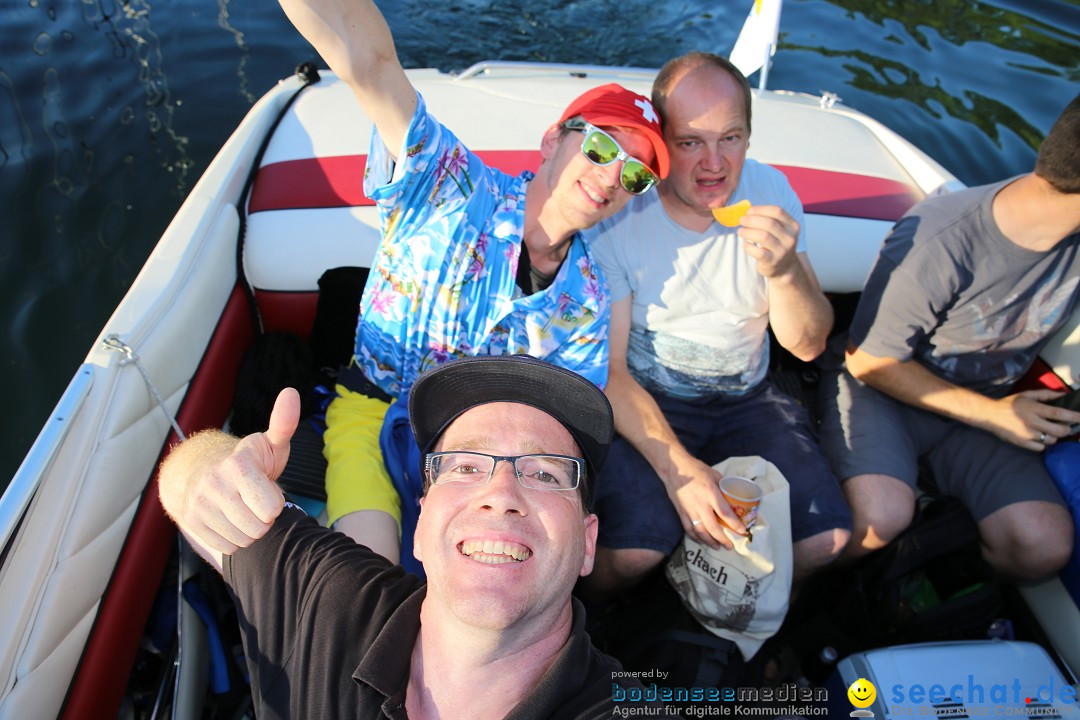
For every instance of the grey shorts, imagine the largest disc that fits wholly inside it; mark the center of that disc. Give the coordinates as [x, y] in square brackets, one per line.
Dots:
[864, 431]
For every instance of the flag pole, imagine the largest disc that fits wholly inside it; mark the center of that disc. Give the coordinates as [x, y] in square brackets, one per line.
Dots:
[758, 39]
[764, 76]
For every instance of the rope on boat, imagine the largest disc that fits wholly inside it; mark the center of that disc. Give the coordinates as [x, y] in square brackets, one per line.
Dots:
[113, 342]
[308, 74]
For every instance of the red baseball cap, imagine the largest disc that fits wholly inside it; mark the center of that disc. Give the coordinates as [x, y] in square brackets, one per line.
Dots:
[613, 105]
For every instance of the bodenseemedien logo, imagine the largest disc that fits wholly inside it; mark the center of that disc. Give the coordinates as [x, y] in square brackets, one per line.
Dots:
[861, 694]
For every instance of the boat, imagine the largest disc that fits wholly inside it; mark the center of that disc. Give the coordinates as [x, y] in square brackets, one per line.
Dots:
[86, 546]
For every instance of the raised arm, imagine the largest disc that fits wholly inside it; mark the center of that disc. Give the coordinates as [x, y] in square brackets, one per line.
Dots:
[690, 483]
[353, 38]
[221, 490]
[799, 313]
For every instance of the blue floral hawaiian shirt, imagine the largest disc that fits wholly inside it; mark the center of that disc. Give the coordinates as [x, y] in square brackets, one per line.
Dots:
[443, 282]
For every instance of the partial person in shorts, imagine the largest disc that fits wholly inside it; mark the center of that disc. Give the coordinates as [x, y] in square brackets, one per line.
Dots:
[966, 291]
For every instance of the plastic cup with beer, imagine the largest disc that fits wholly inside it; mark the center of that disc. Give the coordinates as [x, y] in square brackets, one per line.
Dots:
[744, 496]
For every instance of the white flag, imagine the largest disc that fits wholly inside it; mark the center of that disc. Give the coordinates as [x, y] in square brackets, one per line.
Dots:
[758, 37]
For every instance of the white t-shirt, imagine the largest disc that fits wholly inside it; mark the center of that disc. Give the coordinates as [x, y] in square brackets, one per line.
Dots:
[700, 310]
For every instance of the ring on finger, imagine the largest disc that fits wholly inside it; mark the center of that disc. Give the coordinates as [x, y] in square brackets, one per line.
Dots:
[695, 523]
[1043, 438]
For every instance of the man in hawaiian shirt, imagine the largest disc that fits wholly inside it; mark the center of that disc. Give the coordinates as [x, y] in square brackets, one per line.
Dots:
[472, 261]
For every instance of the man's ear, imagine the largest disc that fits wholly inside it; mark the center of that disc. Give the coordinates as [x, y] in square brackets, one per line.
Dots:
[591, 528]
[416, 533]
[550, 142]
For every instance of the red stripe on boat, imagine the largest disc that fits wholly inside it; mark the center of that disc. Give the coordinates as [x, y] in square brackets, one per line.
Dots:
[331, 182]
[310, 183]
[827, 192]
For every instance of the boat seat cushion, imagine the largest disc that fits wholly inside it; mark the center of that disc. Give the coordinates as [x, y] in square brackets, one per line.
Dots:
[308, 215]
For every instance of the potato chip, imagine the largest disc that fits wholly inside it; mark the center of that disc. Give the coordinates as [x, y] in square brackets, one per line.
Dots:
[731, 215]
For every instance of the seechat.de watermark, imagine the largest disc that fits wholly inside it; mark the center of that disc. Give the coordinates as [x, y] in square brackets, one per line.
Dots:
[974, 698]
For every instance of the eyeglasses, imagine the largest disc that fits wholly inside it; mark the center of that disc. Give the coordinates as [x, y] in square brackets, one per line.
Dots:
[536, 472]
[602, 149]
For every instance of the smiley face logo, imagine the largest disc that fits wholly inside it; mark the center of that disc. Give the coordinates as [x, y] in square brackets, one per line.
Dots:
[862, 693]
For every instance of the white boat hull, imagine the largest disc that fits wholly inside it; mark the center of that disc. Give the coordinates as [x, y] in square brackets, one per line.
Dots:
[86, 539]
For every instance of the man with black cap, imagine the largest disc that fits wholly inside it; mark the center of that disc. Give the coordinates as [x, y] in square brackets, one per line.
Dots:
[332, 629]
[472, 261]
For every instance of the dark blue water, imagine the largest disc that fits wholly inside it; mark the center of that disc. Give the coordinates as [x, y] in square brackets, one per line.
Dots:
[110, 111]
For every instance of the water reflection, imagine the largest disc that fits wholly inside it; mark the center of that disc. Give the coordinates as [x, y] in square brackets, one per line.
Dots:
[14, 130]
[67, 177]
[639, 33]
[130, 34]
[900, 81]
[982, 64]
[962, 21]
[245, 53]
[42, 43]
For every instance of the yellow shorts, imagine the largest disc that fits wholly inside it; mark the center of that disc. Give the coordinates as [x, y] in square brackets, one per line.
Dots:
[356, 477]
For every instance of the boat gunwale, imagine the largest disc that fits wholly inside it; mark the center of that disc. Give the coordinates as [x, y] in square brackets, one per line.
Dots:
[486, 68]
[24, 484]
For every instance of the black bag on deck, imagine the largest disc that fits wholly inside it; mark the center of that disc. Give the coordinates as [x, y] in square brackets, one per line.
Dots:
[930, 583]
[280, 359]
[275, 360]
[334, 330]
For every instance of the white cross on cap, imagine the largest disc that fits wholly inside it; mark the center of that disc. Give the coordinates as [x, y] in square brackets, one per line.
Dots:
[647, 111]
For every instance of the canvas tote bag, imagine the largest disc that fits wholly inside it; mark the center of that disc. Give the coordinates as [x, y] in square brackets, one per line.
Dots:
[741, 594]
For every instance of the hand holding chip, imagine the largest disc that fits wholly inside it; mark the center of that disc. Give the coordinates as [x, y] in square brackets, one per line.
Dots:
[769, 235]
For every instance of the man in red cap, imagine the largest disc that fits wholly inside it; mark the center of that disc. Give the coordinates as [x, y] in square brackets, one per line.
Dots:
[472, 261]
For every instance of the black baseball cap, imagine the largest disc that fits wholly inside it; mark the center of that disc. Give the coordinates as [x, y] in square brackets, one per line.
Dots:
[442, 394]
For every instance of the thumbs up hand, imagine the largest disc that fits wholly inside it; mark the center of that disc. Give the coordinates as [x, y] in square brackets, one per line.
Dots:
[222, 491]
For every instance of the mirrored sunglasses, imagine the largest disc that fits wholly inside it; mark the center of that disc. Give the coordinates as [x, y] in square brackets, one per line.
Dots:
[602, 150]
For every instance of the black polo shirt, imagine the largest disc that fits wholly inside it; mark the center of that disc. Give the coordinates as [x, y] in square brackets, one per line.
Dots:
[329, 627]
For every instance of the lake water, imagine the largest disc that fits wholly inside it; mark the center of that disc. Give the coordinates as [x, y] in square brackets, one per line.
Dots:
[110, 111]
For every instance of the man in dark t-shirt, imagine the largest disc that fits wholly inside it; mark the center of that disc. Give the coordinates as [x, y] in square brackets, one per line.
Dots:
[966, 291]
[331, 629]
